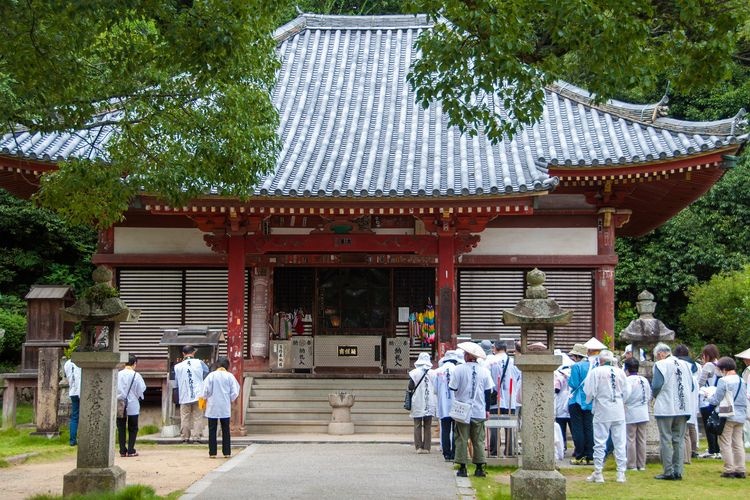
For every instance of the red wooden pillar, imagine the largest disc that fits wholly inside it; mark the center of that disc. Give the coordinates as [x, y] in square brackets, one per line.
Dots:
[446, 285]
[604, 286]
[236, 322]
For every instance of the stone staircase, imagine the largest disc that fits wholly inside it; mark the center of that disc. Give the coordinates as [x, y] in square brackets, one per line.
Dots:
[291, 405]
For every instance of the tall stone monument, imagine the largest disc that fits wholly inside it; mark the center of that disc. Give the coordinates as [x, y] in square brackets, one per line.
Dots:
[100, 312]
[644, 333]
[537, 315]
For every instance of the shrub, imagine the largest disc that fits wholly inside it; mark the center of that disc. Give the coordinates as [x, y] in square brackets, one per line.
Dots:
[14, 325]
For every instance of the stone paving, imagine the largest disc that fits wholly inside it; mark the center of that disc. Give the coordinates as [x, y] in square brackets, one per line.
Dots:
[341, 470]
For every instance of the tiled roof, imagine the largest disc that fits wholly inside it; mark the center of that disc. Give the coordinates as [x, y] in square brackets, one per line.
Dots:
[349, 124]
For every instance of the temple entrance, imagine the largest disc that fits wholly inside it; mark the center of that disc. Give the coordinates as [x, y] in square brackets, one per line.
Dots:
[361, 319]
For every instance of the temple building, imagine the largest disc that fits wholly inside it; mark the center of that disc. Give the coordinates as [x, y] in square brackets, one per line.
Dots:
[382, 230]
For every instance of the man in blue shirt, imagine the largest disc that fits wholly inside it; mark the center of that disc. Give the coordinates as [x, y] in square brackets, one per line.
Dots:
[581, 418]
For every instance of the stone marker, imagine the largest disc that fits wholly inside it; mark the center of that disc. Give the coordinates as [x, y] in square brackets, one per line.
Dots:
[537, 478]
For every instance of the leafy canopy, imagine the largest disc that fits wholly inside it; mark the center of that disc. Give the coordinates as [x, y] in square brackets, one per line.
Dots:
[189, 84]
[513, 48]
[719, 311]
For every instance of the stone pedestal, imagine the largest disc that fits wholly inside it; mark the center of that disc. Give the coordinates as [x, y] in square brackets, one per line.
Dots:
[48, 395]
[341, 417]
[96, 430]
[537, 478]
[653, 447]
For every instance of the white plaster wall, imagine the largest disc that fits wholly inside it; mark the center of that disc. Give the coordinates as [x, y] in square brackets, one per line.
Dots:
[159, 240]
[307, 230]
[537, 241]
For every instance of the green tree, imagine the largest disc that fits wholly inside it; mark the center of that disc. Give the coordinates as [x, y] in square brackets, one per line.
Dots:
[708, 237]
[718, 312]
[37, 246]
[512, 49]
[185, 84]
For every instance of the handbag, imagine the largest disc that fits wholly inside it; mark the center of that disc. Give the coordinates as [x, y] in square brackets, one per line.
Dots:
[410, 392]
[715, 423]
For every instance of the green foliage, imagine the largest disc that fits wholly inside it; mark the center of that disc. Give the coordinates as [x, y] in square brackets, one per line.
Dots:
[514, 48]
[187, 85]
[708, 237]
[625, 312]
[37, 247]
[718, 311]
[98, 293]
[149, 429]
[73, 344]
[132, 492]
[14, 325]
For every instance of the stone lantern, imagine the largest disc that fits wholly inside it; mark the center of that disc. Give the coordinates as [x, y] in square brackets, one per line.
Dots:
[100, 312]
[645, 332]
[537, 315]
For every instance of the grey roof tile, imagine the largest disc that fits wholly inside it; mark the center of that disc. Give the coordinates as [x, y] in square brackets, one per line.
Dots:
[350, 126]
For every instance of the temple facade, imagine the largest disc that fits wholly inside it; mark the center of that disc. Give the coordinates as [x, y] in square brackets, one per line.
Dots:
[382, 231]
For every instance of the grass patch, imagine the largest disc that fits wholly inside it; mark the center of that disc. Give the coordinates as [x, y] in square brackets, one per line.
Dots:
[701, 479]
[132, 492]
[19, 441]
[147, 430]
[24, 414]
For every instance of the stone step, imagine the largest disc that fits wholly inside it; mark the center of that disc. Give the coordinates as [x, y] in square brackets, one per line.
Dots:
[325, 391]
[331, 384]
[281, 402]
[297, 405]
[360, 415]
[316, 426]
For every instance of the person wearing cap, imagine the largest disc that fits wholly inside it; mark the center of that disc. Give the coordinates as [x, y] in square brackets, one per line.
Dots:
[506, 377]
[581, 419]
[745, 357]
[629, 353]
[472, 384]
[446, 365]
[423, 401]
[606, 388]
[188, 376]
[486, 346]
[672, 386]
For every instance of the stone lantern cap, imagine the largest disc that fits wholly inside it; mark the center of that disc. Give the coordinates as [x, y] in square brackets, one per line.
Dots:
[537, 310]
[99, 304]
[646, 329]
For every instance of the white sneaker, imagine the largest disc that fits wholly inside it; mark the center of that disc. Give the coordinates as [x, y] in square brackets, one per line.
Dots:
[595, 477]
[706, 455]
[620, 476]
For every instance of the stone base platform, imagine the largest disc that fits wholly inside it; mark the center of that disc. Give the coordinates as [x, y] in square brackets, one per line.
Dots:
[85, 480]
[536, 484]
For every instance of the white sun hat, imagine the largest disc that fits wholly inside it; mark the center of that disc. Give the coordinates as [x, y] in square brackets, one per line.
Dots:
[594, 344]
[473, 349]
[744, 354]
[423, 361]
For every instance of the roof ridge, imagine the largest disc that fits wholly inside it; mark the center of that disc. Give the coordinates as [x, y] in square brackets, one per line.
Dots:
[652, 114]
[331, 21]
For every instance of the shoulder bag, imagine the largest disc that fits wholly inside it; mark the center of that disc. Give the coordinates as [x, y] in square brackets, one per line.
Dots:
[122, 404]
[718, 418]
[410, 392]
